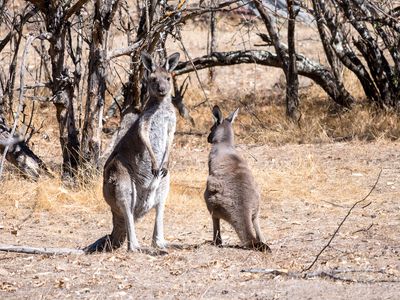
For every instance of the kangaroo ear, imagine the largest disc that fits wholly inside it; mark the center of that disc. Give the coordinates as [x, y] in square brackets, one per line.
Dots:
[148, 61]
[231, 118]
[217, 114]
[172, 62]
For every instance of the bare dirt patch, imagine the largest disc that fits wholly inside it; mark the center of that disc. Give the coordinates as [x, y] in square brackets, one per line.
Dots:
[307, 190]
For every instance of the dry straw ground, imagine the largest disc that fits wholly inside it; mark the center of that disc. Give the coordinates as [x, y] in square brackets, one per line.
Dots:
[309, 177]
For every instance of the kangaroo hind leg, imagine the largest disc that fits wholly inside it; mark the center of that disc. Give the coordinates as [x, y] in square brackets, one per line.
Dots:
[260, 244]
[257, 228]
[125, 196]
[244, 229]
[158, 240]
[111, 241]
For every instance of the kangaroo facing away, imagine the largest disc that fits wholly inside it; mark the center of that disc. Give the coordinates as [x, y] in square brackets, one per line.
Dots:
[136, 177]
[231, 192]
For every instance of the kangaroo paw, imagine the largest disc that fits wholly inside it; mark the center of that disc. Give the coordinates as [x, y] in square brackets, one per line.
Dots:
[263, 247]
[101, 245]
[160, 244]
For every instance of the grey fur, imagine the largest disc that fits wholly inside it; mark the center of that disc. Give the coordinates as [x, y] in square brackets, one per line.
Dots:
[136, 177]
[231, 192]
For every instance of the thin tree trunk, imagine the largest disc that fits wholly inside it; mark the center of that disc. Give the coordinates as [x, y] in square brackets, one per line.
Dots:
[92, 125]
[213, 40]
[63, 91]
[292, 80]
[56, 15]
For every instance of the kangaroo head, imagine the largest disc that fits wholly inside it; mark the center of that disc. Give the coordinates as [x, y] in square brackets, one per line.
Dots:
[159, 82]
[222, 131]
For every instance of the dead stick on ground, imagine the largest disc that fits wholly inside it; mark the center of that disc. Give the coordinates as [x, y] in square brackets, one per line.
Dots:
[321, 274]
[341, 223]
[40, 250]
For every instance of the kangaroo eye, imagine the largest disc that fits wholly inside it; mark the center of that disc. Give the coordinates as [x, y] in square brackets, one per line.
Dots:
[169, 78]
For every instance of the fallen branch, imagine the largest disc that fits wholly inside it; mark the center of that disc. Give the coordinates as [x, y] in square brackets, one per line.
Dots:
[40, 250]
[341, 223]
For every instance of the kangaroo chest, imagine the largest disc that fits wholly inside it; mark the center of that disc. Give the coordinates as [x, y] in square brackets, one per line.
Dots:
[151, 190]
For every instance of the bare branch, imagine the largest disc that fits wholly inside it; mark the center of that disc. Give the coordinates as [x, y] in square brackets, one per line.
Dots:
[305, 67]
[124, 51]
[14, 29]
[77, 6]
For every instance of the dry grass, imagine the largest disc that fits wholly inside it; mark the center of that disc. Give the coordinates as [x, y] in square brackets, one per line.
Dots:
[262, 120]
[49, 194]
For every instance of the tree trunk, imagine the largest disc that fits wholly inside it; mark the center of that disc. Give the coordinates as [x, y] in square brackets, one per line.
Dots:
[292, 80]
[92, 125]
[63, 91]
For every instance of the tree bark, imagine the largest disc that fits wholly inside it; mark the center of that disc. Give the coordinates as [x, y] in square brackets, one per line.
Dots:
[374, 56]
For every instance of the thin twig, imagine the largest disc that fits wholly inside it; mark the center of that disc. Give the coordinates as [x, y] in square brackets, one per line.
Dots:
[179, 37]
[341, 223]
[364, 229]
[366, 205]
[333, 204]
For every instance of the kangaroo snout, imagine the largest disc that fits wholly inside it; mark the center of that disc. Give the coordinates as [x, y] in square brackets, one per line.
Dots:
[162, 90]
